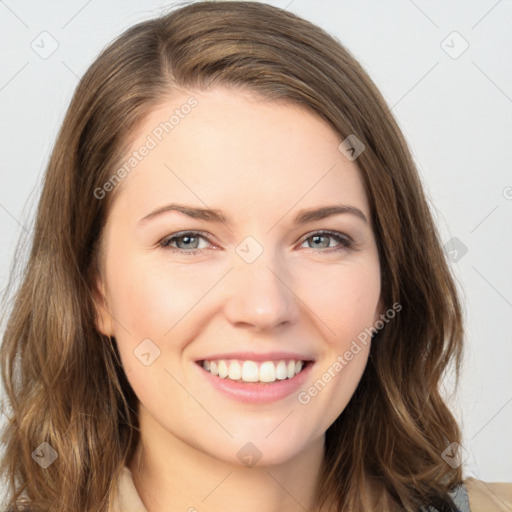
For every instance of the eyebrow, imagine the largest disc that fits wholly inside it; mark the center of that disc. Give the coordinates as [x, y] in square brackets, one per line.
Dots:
[214, 215]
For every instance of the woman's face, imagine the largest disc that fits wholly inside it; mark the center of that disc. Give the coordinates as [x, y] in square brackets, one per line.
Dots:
[252, 295]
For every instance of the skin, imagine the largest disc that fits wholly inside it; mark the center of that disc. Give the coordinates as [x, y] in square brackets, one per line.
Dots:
[260, 163]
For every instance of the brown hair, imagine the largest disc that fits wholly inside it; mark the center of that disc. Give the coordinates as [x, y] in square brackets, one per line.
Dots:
[63, 379]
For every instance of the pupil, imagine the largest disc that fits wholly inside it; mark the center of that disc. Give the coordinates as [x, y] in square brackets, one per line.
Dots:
[316, 238]
[187, 239]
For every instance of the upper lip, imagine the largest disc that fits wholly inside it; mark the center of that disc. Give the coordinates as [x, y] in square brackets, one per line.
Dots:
[253, 356]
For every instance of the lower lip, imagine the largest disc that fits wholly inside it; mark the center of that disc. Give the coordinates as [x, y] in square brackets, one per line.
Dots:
[257, 392]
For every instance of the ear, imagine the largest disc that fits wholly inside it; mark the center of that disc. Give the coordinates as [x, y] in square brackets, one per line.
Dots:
[103, 320]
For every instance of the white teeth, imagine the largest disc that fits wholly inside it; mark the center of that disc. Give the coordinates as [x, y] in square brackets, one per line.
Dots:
[290, 369]
[223, 369]
[268, 372]
[250, 371]
[281, 372]
[235, 371]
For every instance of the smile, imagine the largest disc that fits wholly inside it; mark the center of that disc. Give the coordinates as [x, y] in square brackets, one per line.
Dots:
[252, 371]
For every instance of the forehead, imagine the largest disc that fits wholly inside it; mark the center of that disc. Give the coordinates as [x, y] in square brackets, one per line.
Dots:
[236, 150]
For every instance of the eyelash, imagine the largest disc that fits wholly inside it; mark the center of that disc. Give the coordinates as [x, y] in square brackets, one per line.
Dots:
[346, 243]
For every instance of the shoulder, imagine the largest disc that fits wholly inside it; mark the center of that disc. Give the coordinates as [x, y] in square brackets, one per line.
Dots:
[489, 496]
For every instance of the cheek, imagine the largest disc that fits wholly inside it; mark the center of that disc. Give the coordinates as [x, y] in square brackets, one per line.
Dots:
[345, 299]
[153, 300]
[347, 307]
[150, 298]
[350, 307]
[153, 307]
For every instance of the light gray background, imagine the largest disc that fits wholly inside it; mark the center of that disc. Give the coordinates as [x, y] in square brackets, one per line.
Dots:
[455, 111]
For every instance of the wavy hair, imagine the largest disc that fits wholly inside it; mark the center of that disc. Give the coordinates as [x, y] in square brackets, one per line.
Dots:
[63, 380]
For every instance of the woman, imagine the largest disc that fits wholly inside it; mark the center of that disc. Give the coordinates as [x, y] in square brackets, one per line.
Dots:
[236, 296]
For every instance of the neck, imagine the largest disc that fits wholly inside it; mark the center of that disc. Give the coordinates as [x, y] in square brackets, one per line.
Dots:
[169, 474]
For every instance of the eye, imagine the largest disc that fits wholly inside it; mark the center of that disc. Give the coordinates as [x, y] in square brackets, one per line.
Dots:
[186, 241]
[321, 241]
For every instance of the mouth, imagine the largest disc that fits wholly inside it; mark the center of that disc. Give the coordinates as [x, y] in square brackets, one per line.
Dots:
[249, 371]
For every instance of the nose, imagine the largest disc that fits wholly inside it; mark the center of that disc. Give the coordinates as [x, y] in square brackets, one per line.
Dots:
[260, 296]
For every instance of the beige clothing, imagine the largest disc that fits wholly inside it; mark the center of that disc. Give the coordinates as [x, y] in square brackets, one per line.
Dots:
[483, 496]
[129, 500]
[489, 496]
